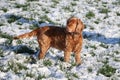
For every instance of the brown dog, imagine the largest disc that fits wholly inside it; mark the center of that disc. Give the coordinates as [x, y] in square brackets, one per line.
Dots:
[68, 39]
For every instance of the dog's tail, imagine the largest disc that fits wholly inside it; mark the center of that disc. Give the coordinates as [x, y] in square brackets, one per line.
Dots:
[27, 35]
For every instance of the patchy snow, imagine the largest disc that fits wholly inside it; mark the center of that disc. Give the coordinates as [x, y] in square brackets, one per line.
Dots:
[101, 45]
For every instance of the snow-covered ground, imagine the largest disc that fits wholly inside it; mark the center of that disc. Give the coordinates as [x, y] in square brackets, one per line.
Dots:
[101, 46]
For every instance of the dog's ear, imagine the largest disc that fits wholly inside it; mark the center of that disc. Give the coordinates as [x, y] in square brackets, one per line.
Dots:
[79, 26]
[68, 20]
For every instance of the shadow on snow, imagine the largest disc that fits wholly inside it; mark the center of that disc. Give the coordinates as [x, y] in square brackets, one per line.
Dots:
[100, 38]
[87, 35]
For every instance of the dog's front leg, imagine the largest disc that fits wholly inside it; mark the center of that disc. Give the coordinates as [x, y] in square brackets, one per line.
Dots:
[78, 57]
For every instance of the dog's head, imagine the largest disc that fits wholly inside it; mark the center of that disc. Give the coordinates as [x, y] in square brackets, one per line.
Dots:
[74, 25]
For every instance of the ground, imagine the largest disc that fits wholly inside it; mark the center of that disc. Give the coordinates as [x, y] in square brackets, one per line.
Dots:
[101, 46]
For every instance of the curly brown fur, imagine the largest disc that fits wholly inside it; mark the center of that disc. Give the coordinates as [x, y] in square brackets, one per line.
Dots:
[68, 39]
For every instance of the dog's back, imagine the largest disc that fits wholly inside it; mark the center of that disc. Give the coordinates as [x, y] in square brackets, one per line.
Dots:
[47, 30]
[55, 35]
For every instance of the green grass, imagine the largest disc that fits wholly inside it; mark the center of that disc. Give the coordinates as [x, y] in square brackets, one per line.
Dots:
[75, 75]
[90, 15]
[104, 10]
[32, 27]
[92, 53]
[16, 67]
[19, 23]
[73, 3]
[23, 6]
[61, 58]
[45, 10]
[53, 6]
[117, 2]
[13, 18]
[92, 28]
[117, 52]
[116, 59]
[68, 9]
[104, 2]
[97, 21]
[1, 53]
[1, 24]
[86, 46]
[89, 69]
[55, 1]
[107, 70]
[105, 61]
[93, 46]
[21, 66]
[31, 0]
[47, 63]
[104, 45]
[41, 77]
[31, 75]
[19, 41]
[4, 9]
[118, 14]
[45, 18]
[71, 76]
[7, 36]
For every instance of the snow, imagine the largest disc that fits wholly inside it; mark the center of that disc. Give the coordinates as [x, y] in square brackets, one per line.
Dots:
[101, 45]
